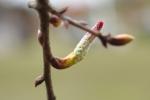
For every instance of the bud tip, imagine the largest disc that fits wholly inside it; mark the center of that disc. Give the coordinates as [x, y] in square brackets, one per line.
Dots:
[120, 39]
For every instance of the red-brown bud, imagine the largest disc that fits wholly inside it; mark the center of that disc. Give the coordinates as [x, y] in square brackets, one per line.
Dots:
[55, 21]
[120, 40]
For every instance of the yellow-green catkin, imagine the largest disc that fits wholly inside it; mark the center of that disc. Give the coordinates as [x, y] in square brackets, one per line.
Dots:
[82, 47]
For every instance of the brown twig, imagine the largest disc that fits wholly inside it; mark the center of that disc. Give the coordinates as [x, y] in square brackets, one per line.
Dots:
[72, 21]
[44, 29]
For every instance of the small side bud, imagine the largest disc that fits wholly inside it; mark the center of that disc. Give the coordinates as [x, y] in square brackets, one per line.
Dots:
[39, 80]
[120, 40]
[55, 21]
[40, 38]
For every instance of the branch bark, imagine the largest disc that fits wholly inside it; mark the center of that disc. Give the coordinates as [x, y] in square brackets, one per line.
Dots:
[41, 7]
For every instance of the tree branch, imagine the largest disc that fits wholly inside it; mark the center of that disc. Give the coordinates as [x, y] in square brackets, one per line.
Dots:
[41, 7]
[46, 12]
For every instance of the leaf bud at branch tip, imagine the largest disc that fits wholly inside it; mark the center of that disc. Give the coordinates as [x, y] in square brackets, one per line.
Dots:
[120, 40]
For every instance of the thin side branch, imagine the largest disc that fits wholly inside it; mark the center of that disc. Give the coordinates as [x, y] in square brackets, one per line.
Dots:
[39, 80]
[75, 23]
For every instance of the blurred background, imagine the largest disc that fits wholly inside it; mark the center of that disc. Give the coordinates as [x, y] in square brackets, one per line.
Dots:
[116, 73]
